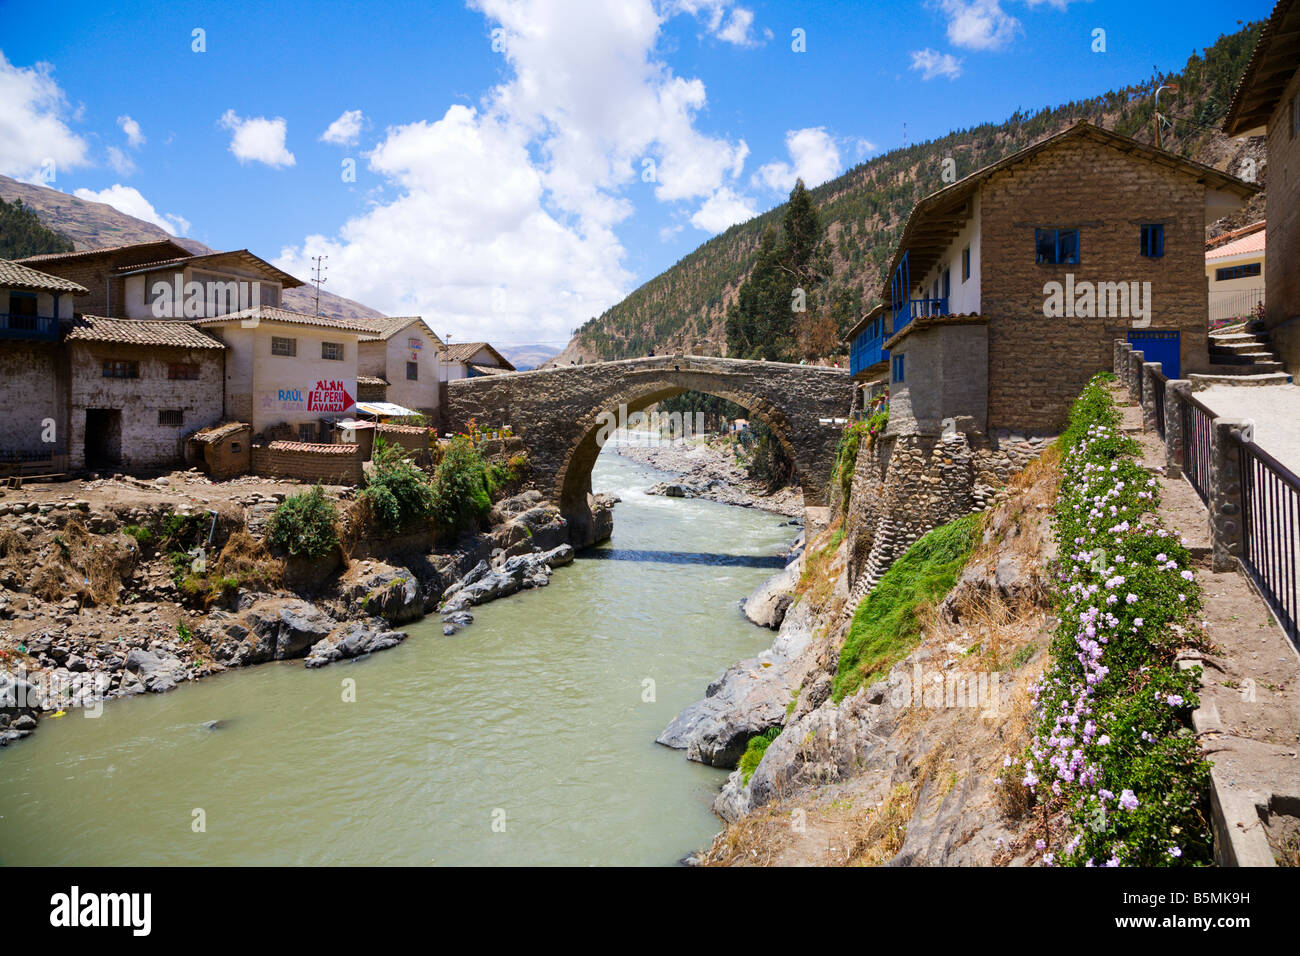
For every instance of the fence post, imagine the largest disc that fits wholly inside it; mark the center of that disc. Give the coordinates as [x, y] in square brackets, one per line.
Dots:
[1175, 389]
[1135, 360]
[1149, 386]
[1225, 490]
[1122, 349]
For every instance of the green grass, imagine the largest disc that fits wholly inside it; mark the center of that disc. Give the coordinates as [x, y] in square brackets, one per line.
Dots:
[885, 626]
[753, 754]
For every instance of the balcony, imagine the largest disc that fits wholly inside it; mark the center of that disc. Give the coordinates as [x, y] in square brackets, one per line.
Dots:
[34, 328]
[866, 349]
[911, 309]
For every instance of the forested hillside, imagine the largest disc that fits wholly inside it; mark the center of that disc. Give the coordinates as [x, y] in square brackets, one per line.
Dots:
[863, 211]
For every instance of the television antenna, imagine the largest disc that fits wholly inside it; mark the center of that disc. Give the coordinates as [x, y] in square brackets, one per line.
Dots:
[318, 276]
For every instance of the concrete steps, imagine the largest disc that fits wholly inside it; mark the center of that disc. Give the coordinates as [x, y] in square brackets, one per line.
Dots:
[1241, 353]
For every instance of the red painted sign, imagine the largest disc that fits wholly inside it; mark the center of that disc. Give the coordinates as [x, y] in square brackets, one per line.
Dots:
[329, 396]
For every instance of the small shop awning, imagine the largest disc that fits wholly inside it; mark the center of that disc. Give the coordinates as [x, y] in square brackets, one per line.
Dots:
[384, 409]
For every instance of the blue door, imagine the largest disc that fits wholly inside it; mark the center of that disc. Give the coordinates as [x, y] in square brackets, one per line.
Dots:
[1158, 346]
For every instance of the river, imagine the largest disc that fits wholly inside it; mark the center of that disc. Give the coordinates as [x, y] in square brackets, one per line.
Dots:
[527, 738]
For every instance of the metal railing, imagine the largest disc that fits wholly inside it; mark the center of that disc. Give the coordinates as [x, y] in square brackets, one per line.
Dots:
[17, 326]
[1270, 529]
[1158, 380]
[1234, 304]
[1198, 435]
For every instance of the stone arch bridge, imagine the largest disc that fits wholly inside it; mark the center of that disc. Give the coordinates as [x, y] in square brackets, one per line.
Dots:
[559, 413]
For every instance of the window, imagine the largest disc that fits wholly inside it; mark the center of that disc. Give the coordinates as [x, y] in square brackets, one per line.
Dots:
[965, 264]
[307, 433]
[171, 416]
[1056, 246]
[183, 372]
[412, 371]
[22, 303]
[947, 283]
[1237, 272]
[1153, 241]
[120, 369]
[898, 368]
[288, 347]
[234, 448]
[332, 351]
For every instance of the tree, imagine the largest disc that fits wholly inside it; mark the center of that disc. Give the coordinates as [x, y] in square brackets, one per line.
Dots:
[23, 234]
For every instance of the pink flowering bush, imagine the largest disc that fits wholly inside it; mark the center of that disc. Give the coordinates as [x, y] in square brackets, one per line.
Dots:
[1112, 750]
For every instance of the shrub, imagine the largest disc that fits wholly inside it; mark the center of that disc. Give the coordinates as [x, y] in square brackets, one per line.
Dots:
[304, 525]
[754, 751]
[1112, 753]
[143, 536]
[398, 494]
[846, 457]
[886, 625]
[461, 488]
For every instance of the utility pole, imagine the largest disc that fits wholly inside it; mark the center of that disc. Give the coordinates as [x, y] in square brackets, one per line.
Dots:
[1159, 118]
[318, 276]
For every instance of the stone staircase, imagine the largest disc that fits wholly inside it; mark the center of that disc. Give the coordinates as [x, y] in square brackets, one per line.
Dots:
[1238, 357]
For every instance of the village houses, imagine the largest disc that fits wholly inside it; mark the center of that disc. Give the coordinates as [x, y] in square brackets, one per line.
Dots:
[1006, 290]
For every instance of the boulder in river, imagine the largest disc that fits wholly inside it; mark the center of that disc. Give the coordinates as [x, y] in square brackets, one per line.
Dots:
[389, 592]
[158, 671]
[353, 639]
[767, 605]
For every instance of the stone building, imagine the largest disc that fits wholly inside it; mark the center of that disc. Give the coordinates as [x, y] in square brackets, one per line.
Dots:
[1267, 102]
[1028, 269]
[137, 389]
[33, 377]
[400, 363]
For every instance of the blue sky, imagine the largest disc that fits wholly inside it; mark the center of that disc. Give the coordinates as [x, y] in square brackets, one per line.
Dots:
[500, 147]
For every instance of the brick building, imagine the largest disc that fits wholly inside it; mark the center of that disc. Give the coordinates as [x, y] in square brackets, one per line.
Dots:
[1027, 270]
[1267, 101]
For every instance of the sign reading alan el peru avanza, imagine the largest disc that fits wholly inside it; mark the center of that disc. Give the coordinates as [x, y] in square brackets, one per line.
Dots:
[326, 396]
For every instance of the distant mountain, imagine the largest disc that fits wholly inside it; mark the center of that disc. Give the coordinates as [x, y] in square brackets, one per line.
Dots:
[525, 357]
[864, 210]
[95, 225]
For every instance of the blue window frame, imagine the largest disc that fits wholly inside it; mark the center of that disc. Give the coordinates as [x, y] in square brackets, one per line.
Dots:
[947, 283]
[1153, 241]
[1056, 246]
[1237, 272]
[898, 367]
[965, 264]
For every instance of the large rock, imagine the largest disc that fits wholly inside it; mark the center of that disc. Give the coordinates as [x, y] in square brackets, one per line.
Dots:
[267, 629]
[766, 607]
[354, 639]
[158, 671]
[486, 582]
[386, 591]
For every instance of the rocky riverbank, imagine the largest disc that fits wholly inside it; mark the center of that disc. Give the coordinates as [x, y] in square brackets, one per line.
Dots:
[90, 611]
[710, 470]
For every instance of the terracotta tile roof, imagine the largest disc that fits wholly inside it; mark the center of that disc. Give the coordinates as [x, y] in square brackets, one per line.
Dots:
[157, 332]
[488, 369]
[265, 313]
[215, 433]
[15, 276]
[923, 322]
[401, 429]
[314, 447]
[158, 248]
[1253, 243]
[246, 257]
[464, 351]
[388, 326]
[371, 380]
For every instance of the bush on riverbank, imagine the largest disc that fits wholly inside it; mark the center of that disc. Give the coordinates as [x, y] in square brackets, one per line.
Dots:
[304, 525]
[398, 495]
[1113, 755]
[462, 490]
[754, 751]
[887, 624]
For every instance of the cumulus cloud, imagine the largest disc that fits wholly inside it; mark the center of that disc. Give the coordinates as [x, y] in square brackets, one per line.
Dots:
[502, 215]
[979, 24]
[122, 164]
[724, 20]
[344, 131]
[34, 134]
[257, 139]
[723, 210]
[128, 199]
[814, 158]
[932, 63]
[134, 138]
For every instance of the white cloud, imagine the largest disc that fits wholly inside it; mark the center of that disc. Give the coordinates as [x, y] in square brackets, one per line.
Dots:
[134, 138]
[669, 233]
[258, 139]
[503, 220]
[128, 199]
[722, 210]
[344, 131]
[815, 159]
[33, 130]
[979, 24]
[729, 23]
[932, 63]
[122, 164]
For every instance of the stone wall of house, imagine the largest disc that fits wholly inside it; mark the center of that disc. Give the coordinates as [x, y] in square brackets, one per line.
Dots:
[1282, 278]
[945, 374]
[1037, 365]
[410, 437]
[33, 390]
[144, 441]
[327, 464]
[230, 455]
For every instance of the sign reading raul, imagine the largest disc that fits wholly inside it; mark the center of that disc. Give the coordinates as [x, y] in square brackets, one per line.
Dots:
[331, 395]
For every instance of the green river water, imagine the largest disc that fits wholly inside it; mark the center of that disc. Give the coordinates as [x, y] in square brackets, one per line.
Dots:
[523, 739]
